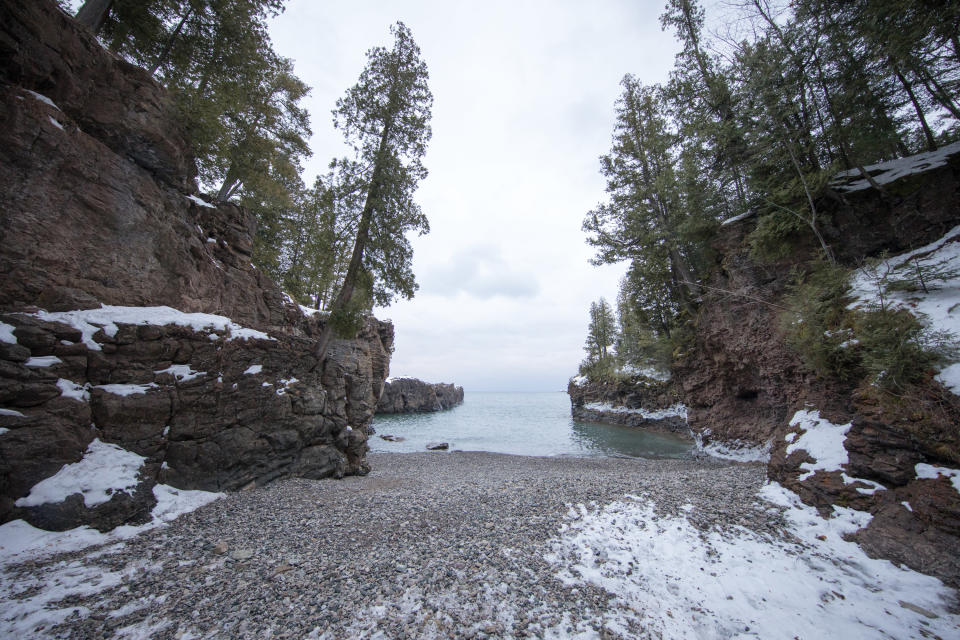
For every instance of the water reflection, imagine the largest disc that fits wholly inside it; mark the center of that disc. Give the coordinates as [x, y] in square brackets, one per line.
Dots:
[613, 439]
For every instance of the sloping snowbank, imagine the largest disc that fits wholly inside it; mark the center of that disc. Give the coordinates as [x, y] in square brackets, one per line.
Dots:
[676, 582]
[892, 170]
[939, 308]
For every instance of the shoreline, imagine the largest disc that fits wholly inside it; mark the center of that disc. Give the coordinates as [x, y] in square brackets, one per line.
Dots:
[429, 544]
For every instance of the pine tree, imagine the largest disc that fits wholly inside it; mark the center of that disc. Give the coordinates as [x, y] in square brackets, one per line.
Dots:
[385, 118]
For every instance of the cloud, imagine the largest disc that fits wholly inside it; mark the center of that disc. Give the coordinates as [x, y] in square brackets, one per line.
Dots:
[478, 271]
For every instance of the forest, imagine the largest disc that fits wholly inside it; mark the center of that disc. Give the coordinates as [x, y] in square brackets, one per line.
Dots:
[340, 244]
[759, 118]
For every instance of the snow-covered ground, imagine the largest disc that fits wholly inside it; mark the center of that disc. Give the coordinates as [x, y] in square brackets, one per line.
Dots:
[104, 470]
[675, 581]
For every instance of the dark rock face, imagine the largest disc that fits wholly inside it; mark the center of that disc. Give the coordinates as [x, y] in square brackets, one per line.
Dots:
[636, 402]
[99, 209]
[741, 381]
[409, 395]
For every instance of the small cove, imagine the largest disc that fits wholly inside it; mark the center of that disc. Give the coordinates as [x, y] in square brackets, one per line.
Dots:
[532, 424]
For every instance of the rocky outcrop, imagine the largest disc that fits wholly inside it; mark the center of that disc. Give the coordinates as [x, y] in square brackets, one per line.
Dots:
[409, 395]
[741, 381]
[198, 362]
[636, 401]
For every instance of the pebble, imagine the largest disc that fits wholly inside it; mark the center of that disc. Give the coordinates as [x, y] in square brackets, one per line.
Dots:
[334, 561]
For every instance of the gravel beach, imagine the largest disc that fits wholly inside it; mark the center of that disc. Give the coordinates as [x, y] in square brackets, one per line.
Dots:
[427, 545]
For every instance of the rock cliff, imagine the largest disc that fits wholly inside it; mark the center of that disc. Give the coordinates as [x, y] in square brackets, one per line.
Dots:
[129, 309]
[637, 401]
[742, 382]
[409, 395]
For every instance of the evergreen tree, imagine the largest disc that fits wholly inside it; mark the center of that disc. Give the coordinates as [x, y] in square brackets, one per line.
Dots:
[385, 118]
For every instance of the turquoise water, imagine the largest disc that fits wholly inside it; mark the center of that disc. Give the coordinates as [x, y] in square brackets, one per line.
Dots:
[533, 424]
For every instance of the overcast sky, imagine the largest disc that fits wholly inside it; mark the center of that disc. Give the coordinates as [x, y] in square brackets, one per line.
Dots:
[524, 95]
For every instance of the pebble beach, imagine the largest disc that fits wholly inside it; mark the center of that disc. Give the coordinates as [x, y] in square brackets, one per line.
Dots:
[426, 545]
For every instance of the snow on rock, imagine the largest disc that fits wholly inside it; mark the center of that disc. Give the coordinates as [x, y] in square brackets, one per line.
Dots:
[648, 372]
[70, 389]
[675, 582]
[200, 202]
[127, 389]
[579, 381]
[285, 384]
[676, 411]
[42, 361]
[887, 172]
[11, 412]
[6, 333]
[950, 377]
[42, 98]
[930, 472]
[4, 430]
[734, 450]
[822, 439]
[55, 123]
[738, 218]
[104, 470]
[182, 372]
[89, 321]
[253, 369]
[892, 170]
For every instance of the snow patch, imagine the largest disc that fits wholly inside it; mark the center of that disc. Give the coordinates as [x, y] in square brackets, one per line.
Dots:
[11, 412]
[42, 361]
[742, 216]
[104, 470]
[887, 172]
[676, 411]
[42, 98]
[89, 321]
[285, 384]
[70, 389]
[674, 581]
[127, 389]
[253, 369]
[182, 372]
[735, 450]
[55, 123]
[200, 202]
[929, 472]
[822, 439]
[6, 333]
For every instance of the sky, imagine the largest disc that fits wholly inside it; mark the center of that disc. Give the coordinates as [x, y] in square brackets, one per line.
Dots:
[524, 94]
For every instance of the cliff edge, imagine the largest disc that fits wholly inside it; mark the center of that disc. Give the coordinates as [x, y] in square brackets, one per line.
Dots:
[131, 318]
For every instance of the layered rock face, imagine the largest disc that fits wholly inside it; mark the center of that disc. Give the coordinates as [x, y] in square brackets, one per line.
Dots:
[198, 362]
[410, 395]
[742, 382]
[636, 402]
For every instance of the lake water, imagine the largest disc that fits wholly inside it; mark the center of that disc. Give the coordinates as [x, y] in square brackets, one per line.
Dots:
[534, 424]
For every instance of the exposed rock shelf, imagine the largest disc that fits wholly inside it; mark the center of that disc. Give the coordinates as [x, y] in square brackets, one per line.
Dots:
[639, 401]
[410, 395]
[199, 363]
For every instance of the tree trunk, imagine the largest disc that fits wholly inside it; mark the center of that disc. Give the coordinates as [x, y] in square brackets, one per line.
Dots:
[363, 230]
[931, 143]
[169, 43]
[93, 14]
